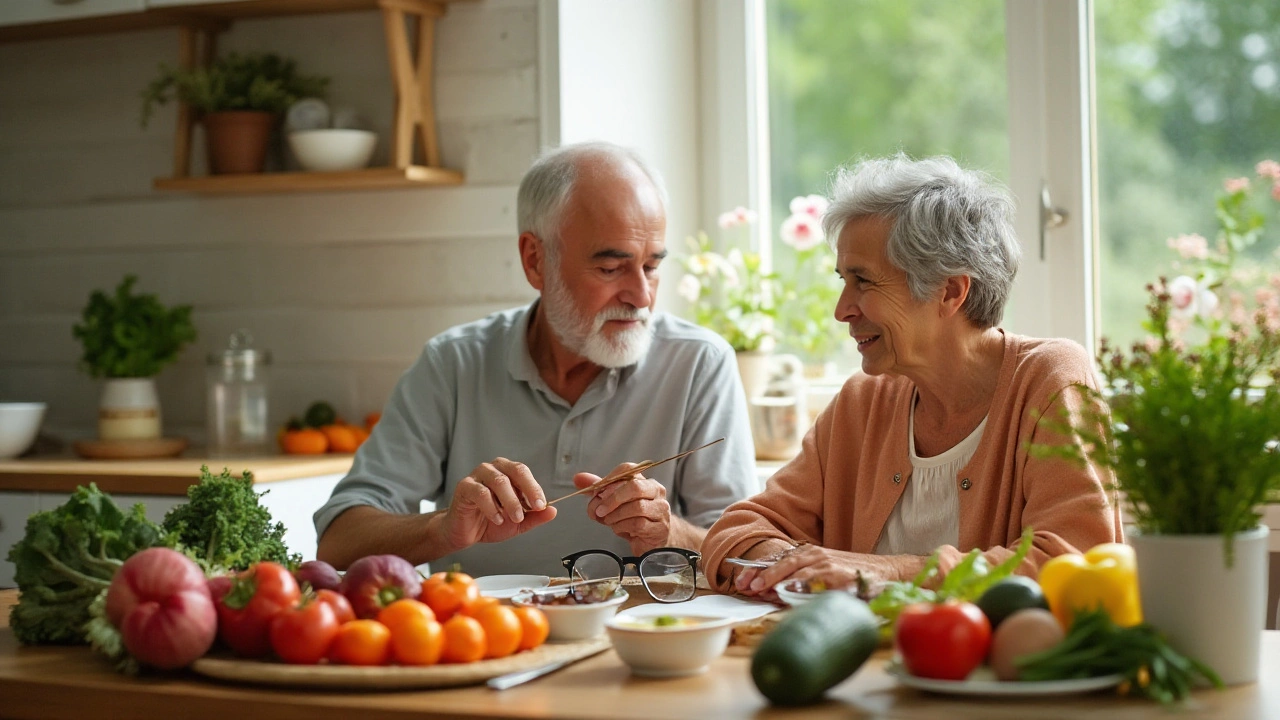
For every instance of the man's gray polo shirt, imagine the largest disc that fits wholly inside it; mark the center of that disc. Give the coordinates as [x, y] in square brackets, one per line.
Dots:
[474, 394]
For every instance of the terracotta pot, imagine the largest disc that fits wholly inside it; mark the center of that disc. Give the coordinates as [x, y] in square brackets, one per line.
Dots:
[237, 140]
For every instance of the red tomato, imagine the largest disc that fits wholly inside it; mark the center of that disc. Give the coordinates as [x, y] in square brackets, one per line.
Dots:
[340, 604]
[302, 635]
[245, 612]
[943, 641]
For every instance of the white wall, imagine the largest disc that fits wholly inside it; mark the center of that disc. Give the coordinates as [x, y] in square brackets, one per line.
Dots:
[343, 288]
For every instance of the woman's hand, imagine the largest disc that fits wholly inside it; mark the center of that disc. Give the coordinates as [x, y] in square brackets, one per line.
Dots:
[835, 568]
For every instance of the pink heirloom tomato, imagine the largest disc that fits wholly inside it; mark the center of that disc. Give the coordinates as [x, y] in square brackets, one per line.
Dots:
[160, 602]
[943, 641]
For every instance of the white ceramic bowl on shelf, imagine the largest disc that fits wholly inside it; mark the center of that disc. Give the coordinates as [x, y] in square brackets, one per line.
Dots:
[685, 645]
[19, 423]
[333, 149]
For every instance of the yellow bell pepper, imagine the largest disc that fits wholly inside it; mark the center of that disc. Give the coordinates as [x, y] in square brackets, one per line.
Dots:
[1105, 577]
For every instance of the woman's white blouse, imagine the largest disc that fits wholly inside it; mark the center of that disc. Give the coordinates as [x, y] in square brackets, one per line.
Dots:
[928, 513]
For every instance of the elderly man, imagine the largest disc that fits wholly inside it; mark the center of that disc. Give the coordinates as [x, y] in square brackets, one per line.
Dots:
[498, 416]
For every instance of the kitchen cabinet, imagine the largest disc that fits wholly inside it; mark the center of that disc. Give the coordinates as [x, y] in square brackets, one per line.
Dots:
[409, 33]
[295, 487]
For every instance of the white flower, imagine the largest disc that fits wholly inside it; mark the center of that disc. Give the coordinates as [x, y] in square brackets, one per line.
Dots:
[700, 264]
[689, 288]
[811, 205]
[727, 268]
[1182, 295]
[1207, 302]
[801, 231]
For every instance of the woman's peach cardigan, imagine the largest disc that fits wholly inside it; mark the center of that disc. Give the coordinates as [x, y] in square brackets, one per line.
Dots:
[853, 466]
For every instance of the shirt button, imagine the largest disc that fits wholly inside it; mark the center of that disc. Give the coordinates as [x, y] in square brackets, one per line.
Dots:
[897, 477]
[565, 458]
[965, 484]
[571, 421]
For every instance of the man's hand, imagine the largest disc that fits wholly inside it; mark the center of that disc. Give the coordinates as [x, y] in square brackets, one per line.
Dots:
[636, 509]
[490, 504]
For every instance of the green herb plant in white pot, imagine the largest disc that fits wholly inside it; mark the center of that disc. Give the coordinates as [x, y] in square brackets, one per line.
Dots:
[127, 340]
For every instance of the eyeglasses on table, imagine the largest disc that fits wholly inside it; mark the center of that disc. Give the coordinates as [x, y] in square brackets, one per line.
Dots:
[669, 575]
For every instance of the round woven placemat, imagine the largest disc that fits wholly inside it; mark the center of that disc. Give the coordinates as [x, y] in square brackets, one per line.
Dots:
[384, 677]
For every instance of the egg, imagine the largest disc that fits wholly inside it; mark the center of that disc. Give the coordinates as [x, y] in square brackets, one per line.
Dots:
[1025, 632]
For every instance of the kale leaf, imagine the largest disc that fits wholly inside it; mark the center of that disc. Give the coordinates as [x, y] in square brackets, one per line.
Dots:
[225, 527]
[67, 558]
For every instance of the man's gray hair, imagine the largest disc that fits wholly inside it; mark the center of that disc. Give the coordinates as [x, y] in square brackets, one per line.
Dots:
[946, 221]
[547, 186]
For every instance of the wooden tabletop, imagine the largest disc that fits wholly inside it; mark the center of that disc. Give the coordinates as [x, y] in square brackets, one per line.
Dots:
[157, 477]
[73, 683]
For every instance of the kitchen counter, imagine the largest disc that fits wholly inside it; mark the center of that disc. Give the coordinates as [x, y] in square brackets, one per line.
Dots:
[169, 476]
[73, 683]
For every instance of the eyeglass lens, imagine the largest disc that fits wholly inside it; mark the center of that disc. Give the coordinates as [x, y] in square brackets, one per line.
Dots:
[669, 576]
[596, 566]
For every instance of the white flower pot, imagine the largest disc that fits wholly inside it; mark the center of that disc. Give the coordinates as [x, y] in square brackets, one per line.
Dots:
[753, 367]
[129, 410]
[1208, 611]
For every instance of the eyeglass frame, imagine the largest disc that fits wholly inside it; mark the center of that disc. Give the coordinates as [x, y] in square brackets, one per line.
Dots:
[692, 556]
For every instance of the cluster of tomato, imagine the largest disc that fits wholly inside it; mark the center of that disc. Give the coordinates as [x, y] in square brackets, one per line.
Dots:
[263, 611]
[321, 431]
[1018, 616]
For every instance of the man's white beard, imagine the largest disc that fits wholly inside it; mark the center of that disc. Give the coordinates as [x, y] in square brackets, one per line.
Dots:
[585, 336]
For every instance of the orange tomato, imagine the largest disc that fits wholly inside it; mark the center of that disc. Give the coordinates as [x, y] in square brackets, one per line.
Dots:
[474, 607]
[371, 419]
[362, 642]
[360, 434]
[341, 439]
[306, 441]
[502, 631]
[464, 640]
[416, 637]
[533, 625]
[448, 592]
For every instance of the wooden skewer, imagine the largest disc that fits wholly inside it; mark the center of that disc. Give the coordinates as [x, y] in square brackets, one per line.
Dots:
[624, 474]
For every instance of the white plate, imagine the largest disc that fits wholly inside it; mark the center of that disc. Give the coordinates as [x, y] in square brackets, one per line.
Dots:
[1003, 688]
[504, 586]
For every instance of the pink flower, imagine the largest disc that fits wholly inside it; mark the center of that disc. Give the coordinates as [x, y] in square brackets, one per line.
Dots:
[1235, 185]
[1190, 246]
[1275, 190]
[1268, 169]
[811, 205]
[735, 217]
[801, 231]
[1182, 295]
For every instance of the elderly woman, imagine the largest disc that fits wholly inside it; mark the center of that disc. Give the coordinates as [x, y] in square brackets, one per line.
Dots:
[927, 448]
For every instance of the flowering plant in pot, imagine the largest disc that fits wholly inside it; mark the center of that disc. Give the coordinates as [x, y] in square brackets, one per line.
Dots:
[127, 339]
[1191, 418]
[239, 98]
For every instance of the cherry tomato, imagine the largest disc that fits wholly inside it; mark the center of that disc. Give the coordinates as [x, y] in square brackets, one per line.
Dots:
[534, 627]
[416, 637]
[448, 592]
[246, 610]
[362, 642]
[502, 630]
[480, 604]
[944, 641]
[340, 604]
[464, 640]
[302, 635]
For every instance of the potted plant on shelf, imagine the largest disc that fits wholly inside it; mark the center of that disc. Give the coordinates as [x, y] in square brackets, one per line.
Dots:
[127, 340]
[1191, 418]
[239, 99]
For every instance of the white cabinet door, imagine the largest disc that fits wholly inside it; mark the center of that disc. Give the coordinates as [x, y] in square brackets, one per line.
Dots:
[21, 12]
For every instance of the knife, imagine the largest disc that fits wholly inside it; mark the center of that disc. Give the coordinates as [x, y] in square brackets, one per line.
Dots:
[510, 680]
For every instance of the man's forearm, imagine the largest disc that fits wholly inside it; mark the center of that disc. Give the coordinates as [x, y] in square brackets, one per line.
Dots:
[684, 534]
[365, 530]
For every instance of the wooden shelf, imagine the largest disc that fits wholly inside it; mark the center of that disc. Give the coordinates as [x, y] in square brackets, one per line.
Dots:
[378, 178]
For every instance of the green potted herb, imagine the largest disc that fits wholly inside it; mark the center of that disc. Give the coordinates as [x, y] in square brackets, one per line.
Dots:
[127, 340]
[238, 98]
[1190, 420]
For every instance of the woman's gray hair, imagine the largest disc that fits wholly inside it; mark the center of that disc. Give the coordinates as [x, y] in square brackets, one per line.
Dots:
[547, 186]
[946, 221]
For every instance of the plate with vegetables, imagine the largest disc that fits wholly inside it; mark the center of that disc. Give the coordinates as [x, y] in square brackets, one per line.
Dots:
[984, 682]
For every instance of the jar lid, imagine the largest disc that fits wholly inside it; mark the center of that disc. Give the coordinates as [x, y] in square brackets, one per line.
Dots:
[240, 351]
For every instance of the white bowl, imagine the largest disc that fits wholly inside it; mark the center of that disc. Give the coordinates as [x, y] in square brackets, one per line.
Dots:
[19, 423]
[794, 592]
[575, 622]
[669, 651]
[505, 587]
[332, 149]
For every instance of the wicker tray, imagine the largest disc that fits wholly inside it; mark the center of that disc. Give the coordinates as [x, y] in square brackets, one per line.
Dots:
[386, 677]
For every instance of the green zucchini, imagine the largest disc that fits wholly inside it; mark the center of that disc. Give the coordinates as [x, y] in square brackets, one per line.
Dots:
[815, 647]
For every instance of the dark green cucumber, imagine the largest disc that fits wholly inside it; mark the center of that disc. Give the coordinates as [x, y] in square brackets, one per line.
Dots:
[815, 647]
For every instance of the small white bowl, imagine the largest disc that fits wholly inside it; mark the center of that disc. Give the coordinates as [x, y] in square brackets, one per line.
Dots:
[333, 149]
[505, 587]
[669, 651]
[794, 592]
[575, 622]
[19, 423]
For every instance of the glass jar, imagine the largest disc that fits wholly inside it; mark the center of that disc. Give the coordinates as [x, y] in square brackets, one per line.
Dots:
[237, 398]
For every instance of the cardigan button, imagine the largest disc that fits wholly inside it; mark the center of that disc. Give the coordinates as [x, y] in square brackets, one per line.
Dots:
[897, 477]
[965, 484]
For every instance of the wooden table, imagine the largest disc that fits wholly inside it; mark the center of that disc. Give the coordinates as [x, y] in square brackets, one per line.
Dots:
[73, 683]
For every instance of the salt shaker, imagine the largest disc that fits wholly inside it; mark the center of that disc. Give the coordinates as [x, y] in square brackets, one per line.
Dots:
[237, 398]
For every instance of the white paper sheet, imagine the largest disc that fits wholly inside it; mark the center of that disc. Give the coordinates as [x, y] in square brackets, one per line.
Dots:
[707, 605]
